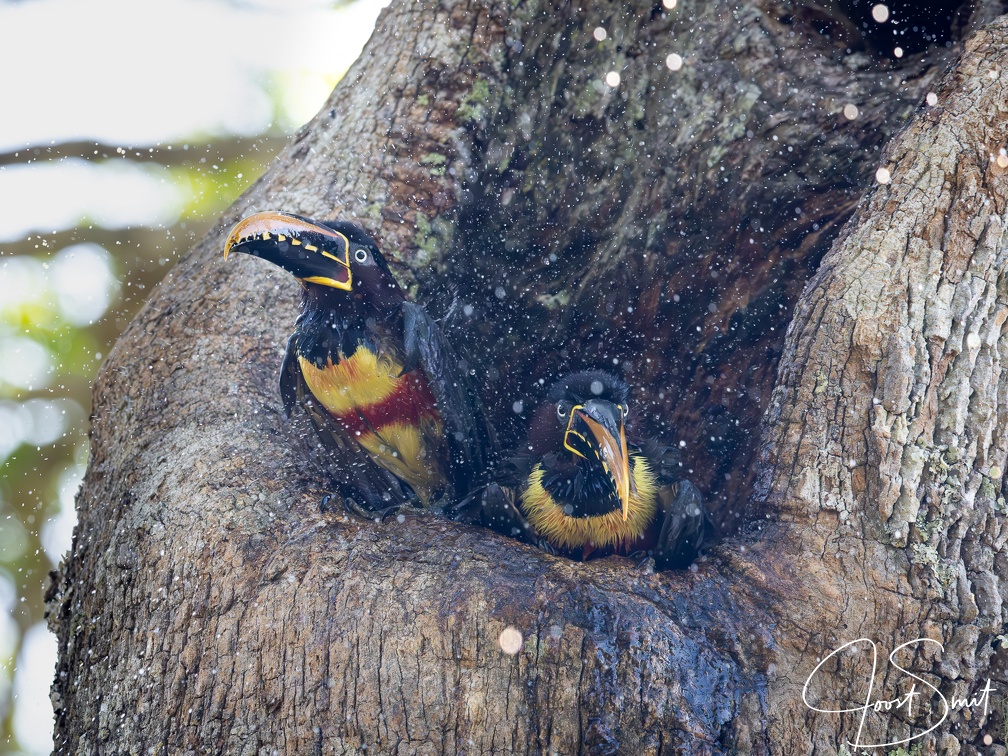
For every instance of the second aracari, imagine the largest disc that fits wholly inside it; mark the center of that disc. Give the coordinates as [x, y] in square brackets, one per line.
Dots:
[578, 487]
[383, 387]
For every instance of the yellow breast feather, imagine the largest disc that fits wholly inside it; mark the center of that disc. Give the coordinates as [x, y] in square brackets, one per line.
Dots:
[357, 381]
[549, 519]
[400, 448]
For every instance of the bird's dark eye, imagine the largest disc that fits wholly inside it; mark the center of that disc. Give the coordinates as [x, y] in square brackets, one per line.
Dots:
[563, 409]
[360, 255]
[624, 410]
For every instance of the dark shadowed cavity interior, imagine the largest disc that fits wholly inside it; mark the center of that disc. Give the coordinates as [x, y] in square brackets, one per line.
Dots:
[581, 244]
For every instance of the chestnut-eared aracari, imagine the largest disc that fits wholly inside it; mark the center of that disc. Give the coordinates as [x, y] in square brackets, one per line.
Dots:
[387, 393]
[578, 487]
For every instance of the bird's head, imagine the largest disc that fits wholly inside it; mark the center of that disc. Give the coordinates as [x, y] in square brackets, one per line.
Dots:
[582, 420]
[327, 256]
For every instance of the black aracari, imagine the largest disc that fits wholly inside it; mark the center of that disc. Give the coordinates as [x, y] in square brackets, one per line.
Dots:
[385, 390]
[579, 488]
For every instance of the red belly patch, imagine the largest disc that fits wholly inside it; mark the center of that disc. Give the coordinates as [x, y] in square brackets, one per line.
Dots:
[410, 402]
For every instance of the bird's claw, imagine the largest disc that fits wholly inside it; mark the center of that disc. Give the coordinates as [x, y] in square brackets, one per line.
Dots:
[399, 510]
[645, 562]
[378, 514]
[543, 545]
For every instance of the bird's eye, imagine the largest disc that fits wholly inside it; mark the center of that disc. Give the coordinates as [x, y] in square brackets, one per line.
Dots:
[360, 255]
[624, 410]
[563, 409]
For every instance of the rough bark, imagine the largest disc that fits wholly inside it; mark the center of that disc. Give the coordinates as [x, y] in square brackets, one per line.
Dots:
[668, 226]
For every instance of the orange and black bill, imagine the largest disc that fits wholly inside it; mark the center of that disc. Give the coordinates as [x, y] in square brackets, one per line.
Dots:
[310, 251]
[595, 431]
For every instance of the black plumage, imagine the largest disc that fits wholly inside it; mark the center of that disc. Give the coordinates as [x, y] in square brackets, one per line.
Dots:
[578, 487]
[386, 392]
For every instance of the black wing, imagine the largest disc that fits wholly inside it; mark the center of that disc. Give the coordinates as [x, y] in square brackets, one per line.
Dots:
[685, 522]
[665, 460]
[494, 504]
[470, 438]
[686, 525]
[357, 477]
[290, 377]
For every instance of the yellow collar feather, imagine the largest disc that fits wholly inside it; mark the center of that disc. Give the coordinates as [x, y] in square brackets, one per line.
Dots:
[560, 529]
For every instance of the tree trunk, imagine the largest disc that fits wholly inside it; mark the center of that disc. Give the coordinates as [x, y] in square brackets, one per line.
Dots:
[835, 375]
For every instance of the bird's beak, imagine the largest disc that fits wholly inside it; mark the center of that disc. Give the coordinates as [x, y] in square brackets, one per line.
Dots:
[310, 251]
[595, 429]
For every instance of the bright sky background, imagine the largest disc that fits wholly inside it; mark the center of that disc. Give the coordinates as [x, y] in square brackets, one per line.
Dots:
[136, 73]
[139, 74]
[130, 74]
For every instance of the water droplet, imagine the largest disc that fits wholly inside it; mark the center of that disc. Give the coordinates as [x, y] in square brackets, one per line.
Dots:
[599, 33]
[612, 79]
[850, 111]
[674, 62]
[510, 640]
[880, 13]
[883, 176]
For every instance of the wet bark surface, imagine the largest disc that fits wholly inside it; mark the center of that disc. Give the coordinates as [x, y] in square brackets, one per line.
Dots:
[673, 227]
